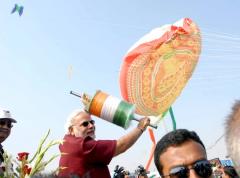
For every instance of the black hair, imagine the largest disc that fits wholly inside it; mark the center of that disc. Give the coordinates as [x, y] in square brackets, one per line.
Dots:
[230, 171]
[173, 138]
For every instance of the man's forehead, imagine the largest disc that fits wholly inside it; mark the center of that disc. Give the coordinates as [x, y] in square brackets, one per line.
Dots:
[184, 154]
[83, 116]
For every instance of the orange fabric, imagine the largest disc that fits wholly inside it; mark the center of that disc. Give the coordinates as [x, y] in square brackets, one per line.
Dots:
[152, 137]
[97, 103]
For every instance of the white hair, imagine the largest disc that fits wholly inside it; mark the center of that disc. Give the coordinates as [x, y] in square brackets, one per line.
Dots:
[70, 119]
[233, 135]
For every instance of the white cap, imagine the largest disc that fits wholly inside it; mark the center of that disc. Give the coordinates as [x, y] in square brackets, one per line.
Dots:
[4, 114]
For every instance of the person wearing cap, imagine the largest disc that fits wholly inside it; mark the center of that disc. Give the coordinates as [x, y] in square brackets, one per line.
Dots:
[6, 121]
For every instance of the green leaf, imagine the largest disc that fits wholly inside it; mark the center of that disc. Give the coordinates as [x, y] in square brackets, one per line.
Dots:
[40, 145]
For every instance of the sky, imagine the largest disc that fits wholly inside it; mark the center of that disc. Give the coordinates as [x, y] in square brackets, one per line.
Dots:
[38, 49]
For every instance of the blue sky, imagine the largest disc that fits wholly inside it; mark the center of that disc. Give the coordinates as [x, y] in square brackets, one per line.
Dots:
[37, 49]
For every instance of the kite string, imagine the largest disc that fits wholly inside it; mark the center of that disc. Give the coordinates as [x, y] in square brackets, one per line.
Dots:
[210, 33]
[213, 145]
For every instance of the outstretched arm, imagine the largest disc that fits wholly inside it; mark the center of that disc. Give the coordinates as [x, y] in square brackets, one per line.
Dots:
[126, 141]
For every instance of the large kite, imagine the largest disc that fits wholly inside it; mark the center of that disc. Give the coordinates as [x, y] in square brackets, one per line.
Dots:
[157, 67]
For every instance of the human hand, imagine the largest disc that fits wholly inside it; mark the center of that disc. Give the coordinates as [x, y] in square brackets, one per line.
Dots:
[143, 123]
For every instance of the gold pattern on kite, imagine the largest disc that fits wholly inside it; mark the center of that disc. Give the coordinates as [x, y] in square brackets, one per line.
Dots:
[156, 70]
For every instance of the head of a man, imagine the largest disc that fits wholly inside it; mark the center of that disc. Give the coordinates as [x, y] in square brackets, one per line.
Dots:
[80, 124]
[6, 123]
[181, 153]
[232, 131]
[229, 172]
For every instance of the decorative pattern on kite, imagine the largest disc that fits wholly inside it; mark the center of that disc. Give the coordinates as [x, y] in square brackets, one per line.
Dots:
[155, 72]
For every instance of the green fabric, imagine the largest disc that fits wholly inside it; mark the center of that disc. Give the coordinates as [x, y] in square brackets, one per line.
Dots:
[123, 114]
[173, 118]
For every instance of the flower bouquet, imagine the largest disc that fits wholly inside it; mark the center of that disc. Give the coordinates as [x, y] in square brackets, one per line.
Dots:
[23, 167]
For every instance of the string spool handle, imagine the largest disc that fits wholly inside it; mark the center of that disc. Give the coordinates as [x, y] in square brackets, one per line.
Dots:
[138, 120]
[75, 94]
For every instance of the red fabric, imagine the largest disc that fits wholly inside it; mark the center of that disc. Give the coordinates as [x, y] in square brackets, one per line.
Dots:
[86, 157]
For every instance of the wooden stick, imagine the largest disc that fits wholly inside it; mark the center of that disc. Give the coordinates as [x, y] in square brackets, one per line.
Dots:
[153, 126]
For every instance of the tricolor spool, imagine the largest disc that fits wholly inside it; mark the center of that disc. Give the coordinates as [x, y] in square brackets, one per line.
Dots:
[109, 108]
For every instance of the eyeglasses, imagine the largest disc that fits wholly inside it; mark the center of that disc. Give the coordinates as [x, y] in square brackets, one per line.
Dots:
[202, 168]
[6, 122]
[85, 123]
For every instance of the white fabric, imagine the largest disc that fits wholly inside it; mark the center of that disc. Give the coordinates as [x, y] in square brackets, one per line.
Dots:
[5, 114]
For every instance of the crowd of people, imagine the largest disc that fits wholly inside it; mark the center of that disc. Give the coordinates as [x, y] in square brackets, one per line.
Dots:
[121, 172]
[178, 154]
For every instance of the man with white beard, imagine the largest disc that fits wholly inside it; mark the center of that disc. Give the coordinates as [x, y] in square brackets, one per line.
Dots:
[83, 156]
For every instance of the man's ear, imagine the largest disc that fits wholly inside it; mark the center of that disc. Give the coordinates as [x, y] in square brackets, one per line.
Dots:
[70, 129]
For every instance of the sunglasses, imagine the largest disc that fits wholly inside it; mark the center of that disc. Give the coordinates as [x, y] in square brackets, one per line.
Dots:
[86, 123]
[202, 168]
[6, 122]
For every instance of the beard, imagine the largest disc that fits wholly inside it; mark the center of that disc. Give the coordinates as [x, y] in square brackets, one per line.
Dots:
[93, 136]
[80, 134]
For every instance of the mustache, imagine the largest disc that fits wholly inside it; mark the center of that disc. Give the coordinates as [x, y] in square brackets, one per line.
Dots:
[4, 130]
[92, 130]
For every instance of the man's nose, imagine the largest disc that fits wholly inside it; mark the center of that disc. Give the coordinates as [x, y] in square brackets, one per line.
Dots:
[193, 174]
[90, 125]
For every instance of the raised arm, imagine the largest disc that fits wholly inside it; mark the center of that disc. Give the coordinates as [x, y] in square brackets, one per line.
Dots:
[126, 141]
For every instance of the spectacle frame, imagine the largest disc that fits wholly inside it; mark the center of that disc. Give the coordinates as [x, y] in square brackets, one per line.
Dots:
[202, 168]
[7, 123]
[86, 123]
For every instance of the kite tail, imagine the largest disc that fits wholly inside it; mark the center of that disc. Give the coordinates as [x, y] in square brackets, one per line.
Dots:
[173, 118]
[152, 137]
